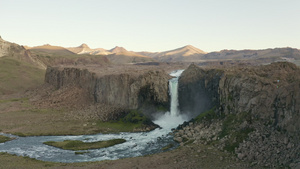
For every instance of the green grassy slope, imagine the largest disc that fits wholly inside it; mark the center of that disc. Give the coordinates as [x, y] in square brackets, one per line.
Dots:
[16, 76]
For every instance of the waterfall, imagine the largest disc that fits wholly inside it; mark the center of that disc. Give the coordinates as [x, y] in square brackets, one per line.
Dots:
[173, 90]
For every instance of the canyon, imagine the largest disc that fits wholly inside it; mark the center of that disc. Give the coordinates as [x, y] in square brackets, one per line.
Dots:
[232, 107]
[242, 104]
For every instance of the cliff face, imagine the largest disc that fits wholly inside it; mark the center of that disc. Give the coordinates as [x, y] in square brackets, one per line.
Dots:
[256, 114]
[198, 90]
[145, 91]
[269, 92]
[133, 92]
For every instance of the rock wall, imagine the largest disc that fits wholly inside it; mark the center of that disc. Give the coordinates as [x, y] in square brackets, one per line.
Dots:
[269, 93]
[146, 91]
[198, 90]
[256, 112]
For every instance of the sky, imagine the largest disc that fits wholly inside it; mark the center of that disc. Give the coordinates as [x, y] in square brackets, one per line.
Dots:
[152, 25]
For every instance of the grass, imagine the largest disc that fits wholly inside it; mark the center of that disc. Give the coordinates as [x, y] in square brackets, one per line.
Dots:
[14, 161]
[116, 127]
[134, 120]
[81, 152]
[208, 115]
[16, 76]
[80, 145]
[37, 122]
[29, 121]
[167, 147]
[13, 100]
[4, 139]
[230, 127]
[56, 56]
[136, 117]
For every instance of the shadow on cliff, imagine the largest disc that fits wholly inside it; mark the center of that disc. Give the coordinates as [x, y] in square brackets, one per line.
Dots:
[198, 90]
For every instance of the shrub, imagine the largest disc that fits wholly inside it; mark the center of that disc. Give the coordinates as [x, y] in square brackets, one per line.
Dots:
[136, 117]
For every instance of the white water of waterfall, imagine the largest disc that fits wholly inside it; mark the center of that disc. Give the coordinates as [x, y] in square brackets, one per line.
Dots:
[173, 118]
[137, 144]
[173, 87]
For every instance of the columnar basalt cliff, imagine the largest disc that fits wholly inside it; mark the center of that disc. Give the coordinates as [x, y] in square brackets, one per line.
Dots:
[254, 112]
[268, 92]
[122, 90]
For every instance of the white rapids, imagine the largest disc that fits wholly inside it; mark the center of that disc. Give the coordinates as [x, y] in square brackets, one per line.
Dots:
[137, 144]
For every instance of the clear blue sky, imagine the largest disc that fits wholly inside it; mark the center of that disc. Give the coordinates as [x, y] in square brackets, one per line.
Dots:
[153, 25]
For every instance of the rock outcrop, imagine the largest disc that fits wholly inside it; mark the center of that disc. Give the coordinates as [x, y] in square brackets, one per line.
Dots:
[15, 51]
[198, 90]
[146, 91]
[268, 92]
[254, 112]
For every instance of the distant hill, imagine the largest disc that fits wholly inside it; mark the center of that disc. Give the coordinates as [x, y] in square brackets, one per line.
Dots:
[85, 49]
[22, 68]
[118, 55]
[277, 53]
[191, 54]
[118, 49]
[15, 51]
[183, 54]
[56, 55]
[121, 58]
[51, 55]
[51, 50]
[10, 49]
[18, 70]
[82, 48]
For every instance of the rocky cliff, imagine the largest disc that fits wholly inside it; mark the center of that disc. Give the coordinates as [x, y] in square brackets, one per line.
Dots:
[267, 92]
[198, 90]
[253, 111]
[146, 91]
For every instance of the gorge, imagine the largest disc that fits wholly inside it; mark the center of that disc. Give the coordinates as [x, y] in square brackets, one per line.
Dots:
[250, 112]
[137, 144]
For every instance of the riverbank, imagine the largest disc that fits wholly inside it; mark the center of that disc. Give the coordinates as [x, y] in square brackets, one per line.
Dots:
[19, 116]
[189, 156]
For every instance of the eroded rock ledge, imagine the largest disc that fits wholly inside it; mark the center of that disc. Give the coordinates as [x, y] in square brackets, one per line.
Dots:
[254, 112]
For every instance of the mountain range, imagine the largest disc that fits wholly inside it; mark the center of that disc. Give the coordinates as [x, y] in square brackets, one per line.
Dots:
[31, 62]
[187, 53]
[190, 53]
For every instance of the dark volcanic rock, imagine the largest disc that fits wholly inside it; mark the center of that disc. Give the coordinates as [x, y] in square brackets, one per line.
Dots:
[198, 89]
[269, 92]
[257, 112]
